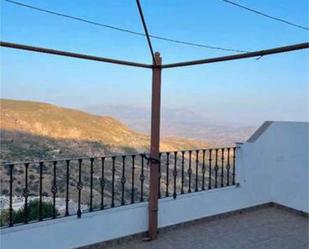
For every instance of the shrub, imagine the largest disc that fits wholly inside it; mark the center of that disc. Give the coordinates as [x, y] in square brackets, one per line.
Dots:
[5, 191]
[33, 213]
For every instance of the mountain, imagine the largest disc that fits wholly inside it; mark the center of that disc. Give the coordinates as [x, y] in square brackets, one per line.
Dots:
[34, 130]
[177, 122]
[37, 131]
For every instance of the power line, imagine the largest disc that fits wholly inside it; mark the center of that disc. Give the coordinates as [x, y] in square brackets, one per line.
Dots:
[266, 15]
[124, 30]
[74, 18]
[146, 30]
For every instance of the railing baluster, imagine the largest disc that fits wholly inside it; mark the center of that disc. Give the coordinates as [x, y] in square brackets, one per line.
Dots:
[167, 173]
[79, 187]
[196, 171]
[102, 182]
[26, 194]
[142, 178]
[133, 189]
[228, 168]
[234, 157]
[203, 171]
[190, 171]
[11, 195]
[123, 180]
[41, 164]
[113, 181]
[175, 174]
[54, 188]
[209, 169]
[182, 171]
[159, 188]
[216, 169]
[91, 185]
[67, 195]
[222, 167]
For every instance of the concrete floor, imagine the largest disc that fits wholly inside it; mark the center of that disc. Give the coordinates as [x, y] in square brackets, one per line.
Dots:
[264, 228]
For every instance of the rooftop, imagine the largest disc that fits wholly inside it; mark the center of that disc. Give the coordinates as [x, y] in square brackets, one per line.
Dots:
[265, 227]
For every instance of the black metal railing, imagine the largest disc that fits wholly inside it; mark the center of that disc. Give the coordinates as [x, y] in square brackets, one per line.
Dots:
[196, 170]
[37, 191]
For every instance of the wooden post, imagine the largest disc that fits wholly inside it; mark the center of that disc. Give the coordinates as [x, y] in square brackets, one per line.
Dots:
[154, 148]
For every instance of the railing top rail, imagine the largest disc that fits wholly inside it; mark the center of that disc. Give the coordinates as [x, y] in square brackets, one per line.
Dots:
[201, 149]
[145, 154]
[71, 159]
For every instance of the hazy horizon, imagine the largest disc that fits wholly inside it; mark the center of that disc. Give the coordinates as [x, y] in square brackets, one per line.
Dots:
[145, 110]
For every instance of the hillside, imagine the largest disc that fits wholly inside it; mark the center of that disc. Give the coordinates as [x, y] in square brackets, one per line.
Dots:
[33, 130]
[36, 131]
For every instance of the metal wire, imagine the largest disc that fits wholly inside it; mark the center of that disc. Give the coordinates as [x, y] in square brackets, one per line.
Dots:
[124, 30]
[266, 15]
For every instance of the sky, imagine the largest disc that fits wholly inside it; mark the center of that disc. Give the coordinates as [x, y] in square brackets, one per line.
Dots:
[247, 91]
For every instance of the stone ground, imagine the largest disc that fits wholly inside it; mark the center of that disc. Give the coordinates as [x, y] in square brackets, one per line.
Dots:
[264, 228]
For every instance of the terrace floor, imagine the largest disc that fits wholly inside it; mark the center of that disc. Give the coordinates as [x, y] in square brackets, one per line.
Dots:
[267, 228]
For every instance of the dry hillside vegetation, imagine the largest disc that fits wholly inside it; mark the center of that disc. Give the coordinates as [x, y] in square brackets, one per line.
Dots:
[32, 130]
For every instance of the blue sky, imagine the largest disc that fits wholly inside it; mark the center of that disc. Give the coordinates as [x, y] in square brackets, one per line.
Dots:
[247, 91]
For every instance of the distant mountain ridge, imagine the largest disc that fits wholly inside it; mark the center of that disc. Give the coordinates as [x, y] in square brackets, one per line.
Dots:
[177, 122]
[35, 130]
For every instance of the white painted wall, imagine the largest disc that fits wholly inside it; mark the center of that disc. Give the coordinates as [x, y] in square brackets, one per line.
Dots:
[272, 168]
[282, 152]
[71, 232]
